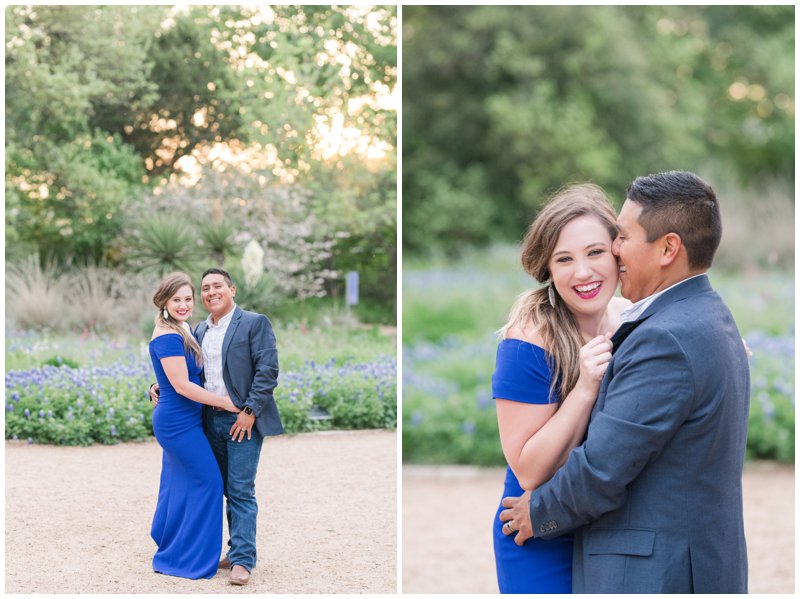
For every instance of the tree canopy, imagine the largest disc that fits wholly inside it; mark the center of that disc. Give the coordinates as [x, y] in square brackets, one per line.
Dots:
[502, 105]
[104, 104]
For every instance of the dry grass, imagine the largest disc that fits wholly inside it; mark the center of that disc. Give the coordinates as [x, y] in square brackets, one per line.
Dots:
[35, 295]
[106, 300]
[88, 298]
[758, 227]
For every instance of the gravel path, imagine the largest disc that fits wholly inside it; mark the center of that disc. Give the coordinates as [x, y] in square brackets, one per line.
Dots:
[78, 518]
[447, 542]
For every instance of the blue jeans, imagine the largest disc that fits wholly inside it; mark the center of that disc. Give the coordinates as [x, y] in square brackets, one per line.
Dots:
[238, 463]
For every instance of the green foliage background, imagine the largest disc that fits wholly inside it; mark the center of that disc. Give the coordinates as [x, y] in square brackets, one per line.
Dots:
[70, 390]
[503, 105]
[103, 102]
[451, 312]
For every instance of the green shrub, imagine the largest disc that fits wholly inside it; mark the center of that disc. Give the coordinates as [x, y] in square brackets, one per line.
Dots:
[66, 406]
[59, 361]
[49, 399]
[85, 181]
[771, 422]
[354, 394]
[449, 313]
[457, 429]
[376, 312]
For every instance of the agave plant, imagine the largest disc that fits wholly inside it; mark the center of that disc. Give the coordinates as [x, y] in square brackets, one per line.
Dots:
[164, 244]
[219, 240]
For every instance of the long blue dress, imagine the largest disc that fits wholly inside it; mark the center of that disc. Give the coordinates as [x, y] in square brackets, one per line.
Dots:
[187, 525]
[539, 566]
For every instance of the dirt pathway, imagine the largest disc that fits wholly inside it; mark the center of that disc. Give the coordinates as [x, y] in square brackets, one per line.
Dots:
[78, 518]
[459, 558]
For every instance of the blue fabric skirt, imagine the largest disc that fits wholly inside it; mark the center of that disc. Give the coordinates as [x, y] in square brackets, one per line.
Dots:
[187, 525]
[539, 566]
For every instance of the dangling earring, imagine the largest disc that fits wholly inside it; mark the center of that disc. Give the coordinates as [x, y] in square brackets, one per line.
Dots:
[166, 314]
[551, 295]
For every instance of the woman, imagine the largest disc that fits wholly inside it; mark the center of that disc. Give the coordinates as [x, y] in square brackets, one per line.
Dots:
[554, 351]
[187, 526]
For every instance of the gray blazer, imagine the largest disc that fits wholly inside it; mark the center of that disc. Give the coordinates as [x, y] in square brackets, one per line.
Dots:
[654, 493]
[250, 367]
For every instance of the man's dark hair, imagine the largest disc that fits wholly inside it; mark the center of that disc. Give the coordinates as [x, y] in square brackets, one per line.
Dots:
[680, 202]
[218, 271]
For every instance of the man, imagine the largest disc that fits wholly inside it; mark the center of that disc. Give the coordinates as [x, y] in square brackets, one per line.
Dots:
[240, 359]
[654, 493]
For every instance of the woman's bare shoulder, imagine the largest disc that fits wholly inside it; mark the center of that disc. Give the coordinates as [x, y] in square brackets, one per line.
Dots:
[529, 332]
[160, 331]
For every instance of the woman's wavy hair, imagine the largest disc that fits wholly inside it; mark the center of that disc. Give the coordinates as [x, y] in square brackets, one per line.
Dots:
[557, 324]
[169, 286]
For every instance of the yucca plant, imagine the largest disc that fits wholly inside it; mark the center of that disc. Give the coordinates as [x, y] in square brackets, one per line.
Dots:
[219, 240]
[165, 244]
[260, 296]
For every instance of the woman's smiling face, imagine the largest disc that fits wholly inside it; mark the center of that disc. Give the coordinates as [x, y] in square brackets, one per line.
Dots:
[583, 269]
[180, 305]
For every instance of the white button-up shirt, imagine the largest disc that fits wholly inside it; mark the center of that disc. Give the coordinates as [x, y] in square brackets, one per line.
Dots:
[212, 352]
[636, 310]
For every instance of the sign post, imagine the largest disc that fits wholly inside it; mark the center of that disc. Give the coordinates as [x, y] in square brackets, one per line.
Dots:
[351, 289]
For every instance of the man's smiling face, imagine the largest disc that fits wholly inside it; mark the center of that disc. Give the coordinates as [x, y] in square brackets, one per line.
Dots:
[217, 296]
[637, 258]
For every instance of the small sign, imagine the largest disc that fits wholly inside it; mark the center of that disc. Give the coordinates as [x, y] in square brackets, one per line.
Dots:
[351, 288]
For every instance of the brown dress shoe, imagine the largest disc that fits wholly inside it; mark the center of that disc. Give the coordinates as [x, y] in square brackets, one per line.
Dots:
[224, 563]
[239, 575]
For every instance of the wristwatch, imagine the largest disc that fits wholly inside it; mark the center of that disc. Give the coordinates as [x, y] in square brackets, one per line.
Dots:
[248, 410]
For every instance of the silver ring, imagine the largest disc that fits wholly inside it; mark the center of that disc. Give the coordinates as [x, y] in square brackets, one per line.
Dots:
[510, 530]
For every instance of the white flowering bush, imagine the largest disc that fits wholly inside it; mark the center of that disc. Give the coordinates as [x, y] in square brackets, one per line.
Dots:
[277, 216]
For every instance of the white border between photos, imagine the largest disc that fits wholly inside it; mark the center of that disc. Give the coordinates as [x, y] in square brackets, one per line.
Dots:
[399, 300]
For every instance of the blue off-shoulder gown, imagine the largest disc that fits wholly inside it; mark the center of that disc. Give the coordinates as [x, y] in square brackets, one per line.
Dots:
[187, 525]
[539, 566]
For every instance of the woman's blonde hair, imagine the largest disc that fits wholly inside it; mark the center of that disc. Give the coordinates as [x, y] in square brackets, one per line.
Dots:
[169, 286]
[557, 324]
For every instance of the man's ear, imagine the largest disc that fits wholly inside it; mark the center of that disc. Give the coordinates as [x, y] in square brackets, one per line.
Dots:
[671, 245]
[233, 290]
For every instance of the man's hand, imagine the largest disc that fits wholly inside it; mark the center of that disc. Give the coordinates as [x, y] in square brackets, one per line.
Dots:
[243, 424]
[517, 517]
[154, 394]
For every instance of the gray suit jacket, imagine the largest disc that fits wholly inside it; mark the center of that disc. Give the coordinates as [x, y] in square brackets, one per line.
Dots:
[250, 367]
[654, 493]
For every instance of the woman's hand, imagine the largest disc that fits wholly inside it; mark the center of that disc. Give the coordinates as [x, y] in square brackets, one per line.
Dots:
[227, 404]
[594, 359]
[154, 394]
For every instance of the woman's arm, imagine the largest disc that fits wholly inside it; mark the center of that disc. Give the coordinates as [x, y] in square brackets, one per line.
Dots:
[537, 438]
[178, 375]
